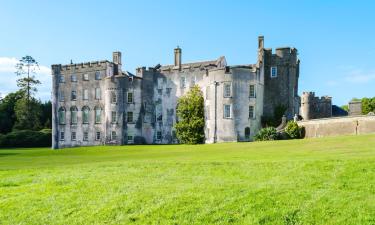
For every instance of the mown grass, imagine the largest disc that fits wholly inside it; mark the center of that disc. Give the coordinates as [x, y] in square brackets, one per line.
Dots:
[315, 181]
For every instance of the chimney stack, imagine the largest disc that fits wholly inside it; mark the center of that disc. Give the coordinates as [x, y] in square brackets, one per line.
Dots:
[117, 62]
[177, 57]
[260, 42]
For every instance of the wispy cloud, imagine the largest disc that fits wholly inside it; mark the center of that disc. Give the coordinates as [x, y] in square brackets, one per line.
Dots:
[8, 78]
[360, 76]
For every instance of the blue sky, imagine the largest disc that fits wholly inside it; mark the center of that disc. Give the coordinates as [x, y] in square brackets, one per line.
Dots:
[335, 39]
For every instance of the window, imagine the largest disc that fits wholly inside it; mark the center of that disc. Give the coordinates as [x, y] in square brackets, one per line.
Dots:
[227, 90]
[130, 139]
[183, 82]
[73, 78]
[97, 136]
[98, 115]
[227, 112]
[247, 132]
[98, 75]
[251, 112]
[73, 115]
[85, 136]
[113, 97]
[158, 135]
[61, 96]
[252, 91]
[62, 135]
[98, 93]
[130, 97]
[113, 135]
[193, 81]
[114, 117]
[273, 72]
[85, 114]
[74, 136]
[62, 115]
[62, 79]
[85, 76]
[74, 96]
[85, 94]
[208, 92]
[130, 117]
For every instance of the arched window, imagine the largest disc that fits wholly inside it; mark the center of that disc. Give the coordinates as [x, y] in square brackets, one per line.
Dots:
[98, 114]
[73, 115]
[247, 132]
[85, 114]
[62, 115]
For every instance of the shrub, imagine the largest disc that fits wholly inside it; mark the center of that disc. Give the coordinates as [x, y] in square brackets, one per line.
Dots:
[190, 114]
[293, 130]
[266, 134]
[26, 138]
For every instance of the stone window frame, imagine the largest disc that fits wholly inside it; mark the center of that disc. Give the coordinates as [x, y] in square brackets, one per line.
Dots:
[84, 92]
[98, 93]
[85, 77]
[113, 97]
[130, 139]
[61, 78]
[130, 119]
[73, 136]
[62, 110]
[73, 117]
[96, 110]
[113, 117]
[73, 95]
[85, 136]
[62, 135]
[98, 135]
[73, 78]
[225, 108]
[252, 91]
[131, 98]
[225, 91]
[113, 135]
[61, 96]
[98, 75]
[252, 111]
[247, 132]
[273, 72]
[159, 135]
[85, 114]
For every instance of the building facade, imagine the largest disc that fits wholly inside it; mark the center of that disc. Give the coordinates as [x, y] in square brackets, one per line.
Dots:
[313, 107]
[98, 103]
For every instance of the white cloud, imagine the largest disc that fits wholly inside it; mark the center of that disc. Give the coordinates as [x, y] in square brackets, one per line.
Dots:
[8, 78]
[360, 76]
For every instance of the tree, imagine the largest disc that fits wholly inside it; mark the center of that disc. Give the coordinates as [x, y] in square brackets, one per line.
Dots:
[7, 114]
[24, 119]
[190, 114]
[26, 69]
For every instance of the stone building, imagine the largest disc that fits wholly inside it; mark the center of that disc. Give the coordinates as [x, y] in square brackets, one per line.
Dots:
[355, 108]
[313, 107]
[98, 103]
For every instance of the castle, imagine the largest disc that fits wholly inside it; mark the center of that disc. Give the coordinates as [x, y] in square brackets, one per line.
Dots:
[97, 103]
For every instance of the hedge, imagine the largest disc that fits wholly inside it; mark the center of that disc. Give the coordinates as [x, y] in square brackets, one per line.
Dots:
[26, 139]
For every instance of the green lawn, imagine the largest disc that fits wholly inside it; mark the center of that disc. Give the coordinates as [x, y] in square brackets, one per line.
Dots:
[314, 181]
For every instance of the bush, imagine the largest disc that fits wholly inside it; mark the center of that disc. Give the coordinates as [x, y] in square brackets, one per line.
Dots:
[26, 138]
[266, 134]
[293, 130]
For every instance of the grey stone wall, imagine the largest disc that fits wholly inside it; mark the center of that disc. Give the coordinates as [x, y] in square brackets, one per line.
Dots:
[313, 107]
[338, 126]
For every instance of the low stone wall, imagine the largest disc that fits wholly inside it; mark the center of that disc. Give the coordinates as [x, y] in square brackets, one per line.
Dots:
[350, 125]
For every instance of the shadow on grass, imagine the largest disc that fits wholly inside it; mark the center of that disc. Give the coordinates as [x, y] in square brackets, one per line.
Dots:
[7, 154]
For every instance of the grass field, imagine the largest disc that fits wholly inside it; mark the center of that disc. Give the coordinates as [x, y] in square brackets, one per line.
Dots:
[315, 181]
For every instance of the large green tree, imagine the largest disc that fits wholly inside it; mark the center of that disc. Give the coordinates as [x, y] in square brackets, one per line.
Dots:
[7, 114]
[27, 109]
[190, 114]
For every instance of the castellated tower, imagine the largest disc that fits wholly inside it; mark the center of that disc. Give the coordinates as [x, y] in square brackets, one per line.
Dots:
[314, 107]
[281, 73]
